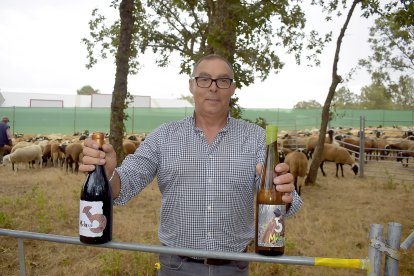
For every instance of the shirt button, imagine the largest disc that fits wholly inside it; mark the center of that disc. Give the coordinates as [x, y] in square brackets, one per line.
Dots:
[210, 180]
[209, 234]
[209, 207]
[210, 156]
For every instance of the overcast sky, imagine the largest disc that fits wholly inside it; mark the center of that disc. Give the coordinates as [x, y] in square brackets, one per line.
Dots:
[41, 52]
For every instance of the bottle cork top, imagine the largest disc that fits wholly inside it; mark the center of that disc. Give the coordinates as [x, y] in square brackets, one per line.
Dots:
[271, 134]
[98, 137]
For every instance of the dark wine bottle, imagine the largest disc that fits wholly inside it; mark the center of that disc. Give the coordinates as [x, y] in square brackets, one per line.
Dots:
[270, 209]
[95, 216]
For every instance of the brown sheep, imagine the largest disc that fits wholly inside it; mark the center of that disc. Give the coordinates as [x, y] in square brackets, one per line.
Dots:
[313, 141]
[340, 156]
[404, 155]
[352, 143]
[293, 142]
[128, 147]
[298, 166]
[379, 149]
[57, 155]
[406, 150]
[47, 154]
[73, 152]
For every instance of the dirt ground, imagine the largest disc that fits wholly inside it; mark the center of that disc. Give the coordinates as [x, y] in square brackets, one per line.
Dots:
[333, 222]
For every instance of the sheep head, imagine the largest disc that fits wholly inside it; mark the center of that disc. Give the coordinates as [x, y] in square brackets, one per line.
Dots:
[6, 160]
[355, 168]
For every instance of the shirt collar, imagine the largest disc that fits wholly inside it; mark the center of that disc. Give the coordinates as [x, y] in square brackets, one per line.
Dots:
[225, 128]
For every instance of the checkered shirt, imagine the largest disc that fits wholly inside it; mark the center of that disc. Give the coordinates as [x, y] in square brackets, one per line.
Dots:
[208, 190]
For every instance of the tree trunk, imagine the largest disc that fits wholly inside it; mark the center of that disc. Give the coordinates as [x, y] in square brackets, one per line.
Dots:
[336, 79]
[118, 105]
[221, 37]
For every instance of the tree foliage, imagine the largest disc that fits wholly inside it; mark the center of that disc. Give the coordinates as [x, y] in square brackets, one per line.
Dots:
[392, 40]
[307, 105]
[188, 98]
[248, 33]
[344, 98]
[402, 93]
[376, 95]
[379, 94]
[87, 90]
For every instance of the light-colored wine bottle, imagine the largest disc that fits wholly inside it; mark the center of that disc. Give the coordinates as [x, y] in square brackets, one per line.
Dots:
[270, 209]
[95, 216]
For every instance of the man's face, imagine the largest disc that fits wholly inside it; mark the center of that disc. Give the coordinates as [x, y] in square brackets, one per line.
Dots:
[212, 100]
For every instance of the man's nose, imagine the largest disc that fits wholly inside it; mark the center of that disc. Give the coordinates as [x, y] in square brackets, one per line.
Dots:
[213, 86]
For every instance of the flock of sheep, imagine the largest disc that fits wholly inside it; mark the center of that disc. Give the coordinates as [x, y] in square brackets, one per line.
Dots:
[55, 151]
[342, 147]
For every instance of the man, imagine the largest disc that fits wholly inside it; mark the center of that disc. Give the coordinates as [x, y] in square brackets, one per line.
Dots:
[5, 137]
[207, 167]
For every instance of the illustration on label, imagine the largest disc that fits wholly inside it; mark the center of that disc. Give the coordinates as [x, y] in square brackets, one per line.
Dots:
[92, 221]
[271, 225]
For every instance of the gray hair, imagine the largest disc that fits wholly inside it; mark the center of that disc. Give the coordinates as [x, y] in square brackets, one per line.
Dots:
[211, 57]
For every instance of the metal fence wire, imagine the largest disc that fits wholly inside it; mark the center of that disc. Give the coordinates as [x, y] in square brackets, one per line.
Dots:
[378, 246]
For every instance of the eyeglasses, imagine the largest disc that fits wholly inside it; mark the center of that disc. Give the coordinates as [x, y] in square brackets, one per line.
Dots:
[204, 82]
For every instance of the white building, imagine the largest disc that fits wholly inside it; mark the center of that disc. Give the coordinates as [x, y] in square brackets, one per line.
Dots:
[10, 99]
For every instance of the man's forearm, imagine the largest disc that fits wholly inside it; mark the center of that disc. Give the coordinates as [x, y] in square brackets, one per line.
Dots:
[115, 182]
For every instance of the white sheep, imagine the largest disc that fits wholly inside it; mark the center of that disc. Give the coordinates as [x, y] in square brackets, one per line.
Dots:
[24, 155]
[340, 156]
[298, 166]
[21, 144]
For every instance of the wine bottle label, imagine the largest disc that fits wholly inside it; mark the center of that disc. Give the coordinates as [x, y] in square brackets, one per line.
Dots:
[271, 225]
[92, 221]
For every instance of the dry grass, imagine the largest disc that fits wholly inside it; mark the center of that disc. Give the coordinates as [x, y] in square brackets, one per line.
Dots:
[334, 222]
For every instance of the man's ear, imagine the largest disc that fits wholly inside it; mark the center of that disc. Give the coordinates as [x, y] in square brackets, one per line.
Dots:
[191, 86]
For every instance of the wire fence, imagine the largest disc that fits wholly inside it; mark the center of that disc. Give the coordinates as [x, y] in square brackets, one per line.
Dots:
[48, 120]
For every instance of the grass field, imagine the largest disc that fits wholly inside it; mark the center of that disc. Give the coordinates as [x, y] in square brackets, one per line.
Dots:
[334, 222]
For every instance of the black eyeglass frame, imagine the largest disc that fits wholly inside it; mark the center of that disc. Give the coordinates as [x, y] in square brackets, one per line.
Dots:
[213, 80]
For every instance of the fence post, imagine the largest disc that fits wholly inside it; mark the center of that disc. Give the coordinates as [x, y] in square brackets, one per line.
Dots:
[14, 120]
[393, 241]
[74, 120]
[277, 117]
[133, 119]
[408, 242]
[361, 145]
[22, 262]
[374, 254]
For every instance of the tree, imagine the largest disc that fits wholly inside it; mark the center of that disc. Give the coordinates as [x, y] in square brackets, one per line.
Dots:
[87, 90]
[344, 98]
[120, 93]
[376, 95]
[392, 42]
[247, 33]
[188, 98]
[392, 39]
[336, 79]
[402, 93]
[307, 105]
